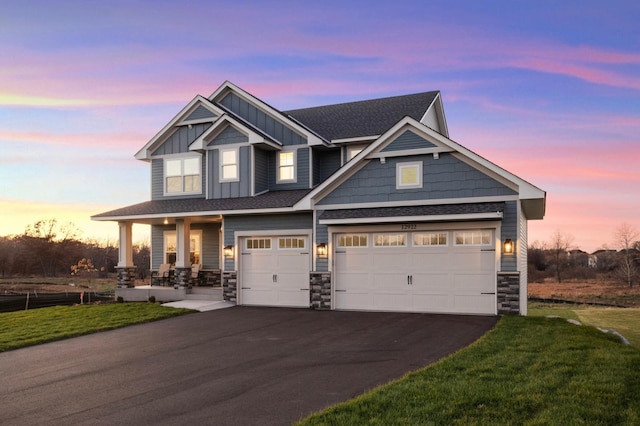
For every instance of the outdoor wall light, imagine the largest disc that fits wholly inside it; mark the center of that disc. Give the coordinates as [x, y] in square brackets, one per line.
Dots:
[508, 246]
[321, 250]
[228, 251]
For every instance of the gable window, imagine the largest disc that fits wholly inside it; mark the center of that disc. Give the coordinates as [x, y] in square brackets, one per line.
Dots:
[409, 175]
[286, 166]
[170, 247]
[182, 176]
[228, 165]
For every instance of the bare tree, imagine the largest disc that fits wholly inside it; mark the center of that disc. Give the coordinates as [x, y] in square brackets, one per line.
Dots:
[626, 237]
[560, 245]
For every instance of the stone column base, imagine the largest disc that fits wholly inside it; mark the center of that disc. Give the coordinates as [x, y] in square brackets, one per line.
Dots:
[126, 276]
[182, 278]
[230, 286]
[320, 294]
[508, 292]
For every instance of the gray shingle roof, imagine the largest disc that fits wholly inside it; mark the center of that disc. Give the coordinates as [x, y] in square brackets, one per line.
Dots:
[363, 118]
[437, 210]
[269, 200]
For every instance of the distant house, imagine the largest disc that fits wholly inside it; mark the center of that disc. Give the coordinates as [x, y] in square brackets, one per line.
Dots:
[363, 205]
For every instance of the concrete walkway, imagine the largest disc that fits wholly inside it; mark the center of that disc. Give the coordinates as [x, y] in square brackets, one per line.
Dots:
[200, 305]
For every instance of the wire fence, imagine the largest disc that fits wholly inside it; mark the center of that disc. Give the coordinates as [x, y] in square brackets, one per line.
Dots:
[23, 301]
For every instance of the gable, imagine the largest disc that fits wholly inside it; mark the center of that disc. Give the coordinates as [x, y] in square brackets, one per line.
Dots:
[444, 178]
[263, 121]
[200, 113]
[408, 140]
[229, 135]
[180, 139]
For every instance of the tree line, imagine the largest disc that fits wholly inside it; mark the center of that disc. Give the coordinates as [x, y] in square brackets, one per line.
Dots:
[48, 248]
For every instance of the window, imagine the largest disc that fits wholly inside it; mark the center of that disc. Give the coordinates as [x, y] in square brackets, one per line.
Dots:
[480, 237]
[228, 165]
[286, 166]
[429, 239]
[258, 243]
[390, 240]
[291, 243]
[170, 246]
[352, 240]
[409, 175]
[182, 175]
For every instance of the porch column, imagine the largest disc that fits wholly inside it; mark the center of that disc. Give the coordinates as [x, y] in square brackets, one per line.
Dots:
[126, 269]
[183, 253]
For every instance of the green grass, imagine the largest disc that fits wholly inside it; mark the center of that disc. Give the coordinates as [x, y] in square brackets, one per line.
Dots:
[32, 327]
[625, 321]
[528, 370]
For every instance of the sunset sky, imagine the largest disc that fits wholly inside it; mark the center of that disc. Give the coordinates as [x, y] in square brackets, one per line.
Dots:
[549, 90]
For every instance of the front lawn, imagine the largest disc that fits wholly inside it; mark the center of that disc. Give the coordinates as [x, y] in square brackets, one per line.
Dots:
[527, 370]
[26, 328]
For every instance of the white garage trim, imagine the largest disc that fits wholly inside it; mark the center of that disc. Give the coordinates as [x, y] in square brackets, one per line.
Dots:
[385, 269]
[429, 218]
[290, 280]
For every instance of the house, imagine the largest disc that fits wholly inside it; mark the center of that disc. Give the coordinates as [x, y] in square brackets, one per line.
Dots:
[357, 206]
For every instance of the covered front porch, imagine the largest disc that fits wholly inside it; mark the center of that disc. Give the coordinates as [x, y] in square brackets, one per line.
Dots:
[186, 253]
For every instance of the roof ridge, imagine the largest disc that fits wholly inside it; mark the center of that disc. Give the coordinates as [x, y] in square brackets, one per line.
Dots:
[385, 98]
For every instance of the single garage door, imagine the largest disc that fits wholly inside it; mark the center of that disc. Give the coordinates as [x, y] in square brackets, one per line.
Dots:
[274, 271]
[451, 271]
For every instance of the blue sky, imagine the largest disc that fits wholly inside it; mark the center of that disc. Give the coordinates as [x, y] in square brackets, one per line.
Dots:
[548, 90]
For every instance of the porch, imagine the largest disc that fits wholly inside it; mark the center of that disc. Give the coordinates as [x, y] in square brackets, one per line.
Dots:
[169, 294]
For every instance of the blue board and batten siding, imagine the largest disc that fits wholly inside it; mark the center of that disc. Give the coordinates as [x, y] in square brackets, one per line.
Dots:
[325, 163]
[446, 177]
[274, 128]
[261, 170]
[240, 188]
[408, 140]
[200, 113]
[301, 171]
[157, 181]
[268, 222]
[180, 140]
[509, 230]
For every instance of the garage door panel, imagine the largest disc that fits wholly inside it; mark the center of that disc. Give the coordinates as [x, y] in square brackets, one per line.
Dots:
[475, 304]
[275, 276]
[446, 276]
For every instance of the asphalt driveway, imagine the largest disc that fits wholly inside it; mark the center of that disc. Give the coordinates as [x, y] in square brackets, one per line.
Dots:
[236, 366]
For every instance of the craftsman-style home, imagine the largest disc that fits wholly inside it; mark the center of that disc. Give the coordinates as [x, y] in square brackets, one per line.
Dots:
[357, 206]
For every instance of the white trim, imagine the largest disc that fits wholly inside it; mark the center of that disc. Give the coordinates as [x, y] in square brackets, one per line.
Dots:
[194, 214]
[198, 121]
[294, 179]
[180, 157]
[430, 218]
[227, 86]
[253, 135]
[145, 152]
[356, 139]
[525, 190]
[408, 152]
[409, 165]
[221, 164]
[408, 203]
[252, 172]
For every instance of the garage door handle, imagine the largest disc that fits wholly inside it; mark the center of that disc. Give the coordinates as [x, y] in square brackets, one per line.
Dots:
[341, 291]
[487, 249]
[342, 251]
[487, 293]
[304, 289]
[246, 288]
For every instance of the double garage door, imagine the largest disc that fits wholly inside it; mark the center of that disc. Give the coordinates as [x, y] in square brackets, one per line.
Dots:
[274, 271]
[452, 271]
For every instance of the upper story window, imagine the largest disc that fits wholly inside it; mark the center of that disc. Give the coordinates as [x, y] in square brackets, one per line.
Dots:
[286, 166]
[409, 175]
[182, 176]
[229, 165]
